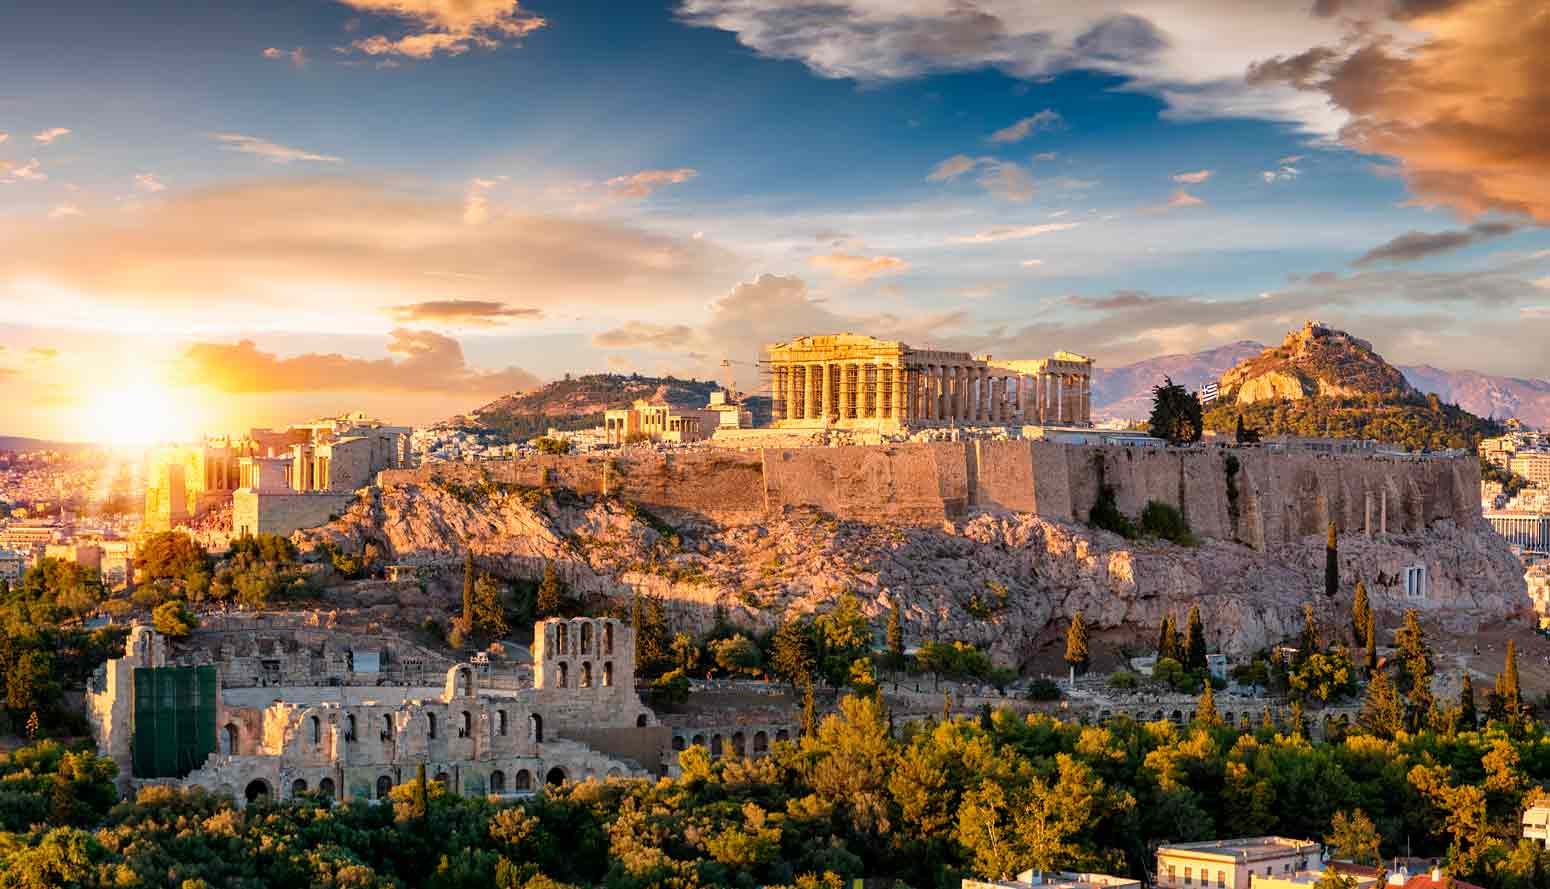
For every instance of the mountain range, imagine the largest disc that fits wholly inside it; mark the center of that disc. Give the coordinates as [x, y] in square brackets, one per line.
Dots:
[1125, 392]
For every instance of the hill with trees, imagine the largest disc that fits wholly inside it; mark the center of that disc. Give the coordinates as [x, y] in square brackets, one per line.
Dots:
[579, 402]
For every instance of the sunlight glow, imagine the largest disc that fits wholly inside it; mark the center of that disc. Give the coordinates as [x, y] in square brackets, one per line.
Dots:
[137, 413]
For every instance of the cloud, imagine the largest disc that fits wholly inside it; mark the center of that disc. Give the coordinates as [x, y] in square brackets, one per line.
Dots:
[1289, 160]
[452, 27]
[1007, 181]
[297, 56]
[641, 335]
[1460, 106]
[60, 211]
[47, 137]
[330, 254]
[1046, 156]
[4, 137]
[419, 361]
[1192, 54]
[859, 268]
[147, 182]
[270, 151]
[1182, 198]
[1194, 178]
[642, 184]
[1415, 245]
[1047, 119]
[1014, 232]
[31, 171]
[476, 201]
[952, 168]
[465, 312]
[1032, 263]
[1281, 174]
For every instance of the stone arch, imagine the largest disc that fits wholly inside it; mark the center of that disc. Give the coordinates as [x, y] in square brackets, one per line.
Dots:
[717, 746]
[349, 727]
[1158, 717]
[782, 735]
[430, 725]
[326, 787]
[524, 780]
[460, 681]
[678, 743]
[586, 675]
[556, 777]
[467, 728]
[608, 637]
[257, 789]
[1178, 716]
[317, 730]
[562, 638]
[497, 781]
[641, 721]
[444, 779]
[384, 787]
[500, 723]
[608, 673]
[535, 728]
[387, 726]
[613, 773]
[564, 674]
[699, 741]
[740, 744]
[586, 638]
[298, 787]
[761, 742]
[230, 735]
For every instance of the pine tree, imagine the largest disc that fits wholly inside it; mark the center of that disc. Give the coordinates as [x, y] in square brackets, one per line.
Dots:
[1361, 614]
[1469, 718]
[1331, 564]
[1077, 655]
[895, 636]
[1205, 709]
[1383, 710]
[1194, 642]
[791, 654]
[551, 593]
[468, 589]
[1415, 677]
[809, 710]
[489, 607]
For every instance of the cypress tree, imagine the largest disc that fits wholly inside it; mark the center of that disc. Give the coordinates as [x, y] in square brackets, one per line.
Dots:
[551, 593]
[1512, 701]
[1361, 614]
[809, 710]
[1331, 564]
[1468, 716]
[1205, 709]
[1194, 642]
[1372, 646]
[1297, 724]
[468, 588]
[895, 638]
[1383, 711]
[1077, 655]
[1167, 639]
[419, 805]
[1308, 640]
[1415, 678]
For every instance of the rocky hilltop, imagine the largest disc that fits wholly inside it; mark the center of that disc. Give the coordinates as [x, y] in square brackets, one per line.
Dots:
[1315, 361]
[575, 402]
[1002, 578]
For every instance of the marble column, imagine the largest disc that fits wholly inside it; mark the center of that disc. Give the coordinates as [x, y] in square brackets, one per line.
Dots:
[847, 392]
[820, 387]
[964, 395]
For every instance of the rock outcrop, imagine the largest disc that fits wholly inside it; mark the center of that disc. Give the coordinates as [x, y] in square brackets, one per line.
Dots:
[1004, 579]
[1315, 361]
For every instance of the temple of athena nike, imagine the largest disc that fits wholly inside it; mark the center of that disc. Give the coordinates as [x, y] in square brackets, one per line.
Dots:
[861, 382]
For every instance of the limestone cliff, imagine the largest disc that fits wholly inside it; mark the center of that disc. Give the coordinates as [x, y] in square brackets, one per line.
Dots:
[1315, 360]
[1001, 578]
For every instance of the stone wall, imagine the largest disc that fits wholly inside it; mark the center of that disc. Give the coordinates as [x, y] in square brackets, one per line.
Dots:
[255, 512]
[1271, 497]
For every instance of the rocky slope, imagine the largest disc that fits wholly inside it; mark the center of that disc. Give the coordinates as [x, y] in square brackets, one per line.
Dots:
[1005, 581]
[1315, 361]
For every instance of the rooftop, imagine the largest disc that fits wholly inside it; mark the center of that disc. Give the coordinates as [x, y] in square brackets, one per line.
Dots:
[1244, 848]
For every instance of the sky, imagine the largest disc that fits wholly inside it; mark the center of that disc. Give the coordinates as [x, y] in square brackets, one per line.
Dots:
[216, 216]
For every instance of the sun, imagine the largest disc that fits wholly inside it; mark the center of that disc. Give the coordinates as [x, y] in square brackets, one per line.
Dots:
[135, 414]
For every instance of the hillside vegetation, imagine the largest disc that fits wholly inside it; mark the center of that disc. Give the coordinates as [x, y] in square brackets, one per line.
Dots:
[579, 402]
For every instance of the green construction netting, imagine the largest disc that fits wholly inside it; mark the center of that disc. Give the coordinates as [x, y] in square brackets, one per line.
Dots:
[174, 720]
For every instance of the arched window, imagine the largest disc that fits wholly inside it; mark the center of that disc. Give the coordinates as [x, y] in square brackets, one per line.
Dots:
[556, 776]
[535, 728]
[562, 637]
[586, 638]
[465, 682]
[326, 787]
[298, 787]
[468, 725]
[564, 674]
[349, 727]
[586, 674]
[782, 735]
[699, 741]
[384, 787]
[678, 743]
[524, 780]
[739, 741]
[231, 738]
[317, 731]
[761, 743]
[430, 721]
[608, 673]
[500, 723]
[640, 721]
[608, 638]
[256, 790]
[717, 748]
[387, 726]
[497, 782]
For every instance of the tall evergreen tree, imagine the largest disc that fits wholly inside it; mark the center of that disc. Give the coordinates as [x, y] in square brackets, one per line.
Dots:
[1167, 639]
[468, 588]
[551, 593]
[1371, 656]
[809, 710]
[1416, 669]
[1177, 416]
[895, 637]
[791, 654]
[1077, 655]
[1266, 721]
[1298, 725]
[1205, 709]
[1469, 717]
[1308, 639]
[1194, 642]
[1361, 614]
[1331, 564]
[1507, 683]
[419, 805]
[1383, 710]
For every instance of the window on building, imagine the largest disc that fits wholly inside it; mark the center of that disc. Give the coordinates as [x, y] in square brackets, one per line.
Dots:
[1221, 879]
[1189, 876]
[1415, 582]
[500, 722]
[317, 731]
[1172, 877]
[430, 722]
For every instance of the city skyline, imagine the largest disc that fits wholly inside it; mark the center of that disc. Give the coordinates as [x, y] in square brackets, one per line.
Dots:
[243, 215]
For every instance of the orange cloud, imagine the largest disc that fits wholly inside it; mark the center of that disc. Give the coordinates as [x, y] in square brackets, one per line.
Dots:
[468, 312]
[642, 184]
[426, 362]
[1463, 112]
[859, 268]
[452, 27]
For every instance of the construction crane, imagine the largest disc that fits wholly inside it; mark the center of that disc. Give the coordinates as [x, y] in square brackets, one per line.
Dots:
[727, 366]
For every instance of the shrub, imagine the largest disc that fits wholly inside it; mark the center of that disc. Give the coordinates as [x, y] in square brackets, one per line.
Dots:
[1043, 689]
[1124, 680]
[1105, 514]
[1164, 521]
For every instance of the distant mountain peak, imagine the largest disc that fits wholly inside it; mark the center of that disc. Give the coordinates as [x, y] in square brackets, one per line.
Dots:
[1315, 360]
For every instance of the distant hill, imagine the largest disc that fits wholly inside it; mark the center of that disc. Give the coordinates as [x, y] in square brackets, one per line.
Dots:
[21, 443]
[1325, 382]
[1126, 392]
[1486, 395]
[579, 402]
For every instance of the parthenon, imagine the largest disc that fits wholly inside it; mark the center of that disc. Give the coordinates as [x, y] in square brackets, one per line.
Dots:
[857, 381]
